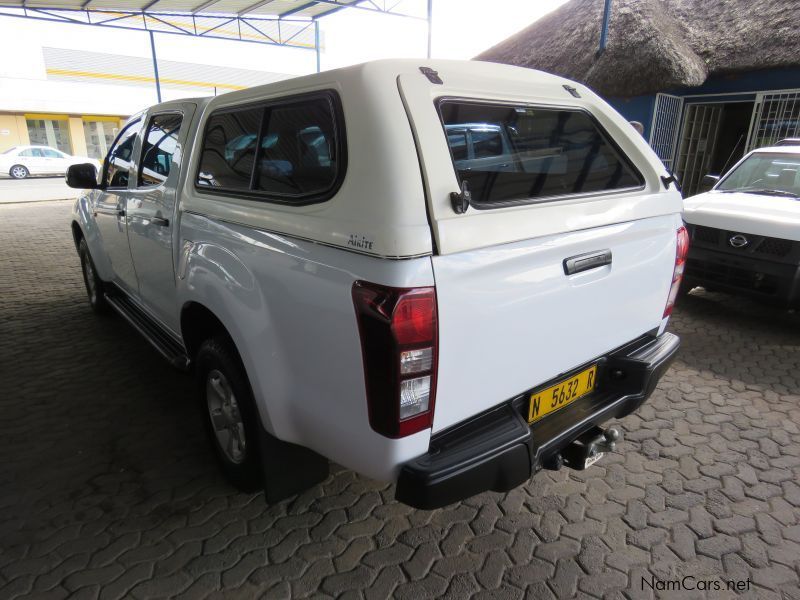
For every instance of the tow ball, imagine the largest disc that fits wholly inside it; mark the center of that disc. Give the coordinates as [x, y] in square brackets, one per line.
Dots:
[586, 450]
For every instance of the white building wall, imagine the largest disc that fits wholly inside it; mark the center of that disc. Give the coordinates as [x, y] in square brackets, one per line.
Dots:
[26, 87]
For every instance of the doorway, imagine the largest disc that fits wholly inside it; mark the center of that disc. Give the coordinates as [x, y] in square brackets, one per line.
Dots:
[712, 139]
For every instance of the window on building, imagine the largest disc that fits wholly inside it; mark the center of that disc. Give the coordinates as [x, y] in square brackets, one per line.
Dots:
[287, 151]
[50, 132]
[99, 137]
[158, 148]
[524, 154]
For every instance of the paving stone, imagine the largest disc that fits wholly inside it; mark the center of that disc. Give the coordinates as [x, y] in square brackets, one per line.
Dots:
[704, 481]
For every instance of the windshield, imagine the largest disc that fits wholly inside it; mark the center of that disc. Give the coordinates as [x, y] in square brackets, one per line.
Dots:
[765, 173]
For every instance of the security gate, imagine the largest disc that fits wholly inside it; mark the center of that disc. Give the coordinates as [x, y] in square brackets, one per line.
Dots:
[698, 138]
[776, 116]
[664, 129]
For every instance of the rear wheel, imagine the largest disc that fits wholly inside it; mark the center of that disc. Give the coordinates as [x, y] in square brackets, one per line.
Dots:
[19, 172]
[95, 288]
[230, 414]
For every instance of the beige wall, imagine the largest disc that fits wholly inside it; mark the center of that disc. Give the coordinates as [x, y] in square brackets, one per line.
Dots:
[77, 137]
[13, 131]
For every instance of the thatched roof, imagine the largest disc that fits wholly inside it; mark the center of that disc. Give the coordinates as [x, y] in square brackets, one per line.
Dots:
[656, 44]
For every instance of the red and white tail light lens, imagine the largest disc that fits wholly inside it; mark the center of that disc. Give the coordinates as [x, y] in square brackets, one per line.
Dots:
[681, 252]
[398, 328]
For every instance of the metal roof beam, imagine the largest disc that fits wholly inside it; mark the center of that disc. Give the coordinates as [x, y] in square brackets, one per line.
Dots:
[340, 5]
[117, 22]
[257, 30]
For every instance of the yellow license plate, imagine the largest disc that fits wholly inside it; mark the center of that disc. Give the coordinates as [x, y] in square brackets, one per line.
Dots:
[561, 394]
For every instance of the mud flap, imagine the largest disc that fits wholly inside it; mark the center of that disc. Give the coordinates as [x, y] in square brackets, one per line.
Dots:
[289, 469]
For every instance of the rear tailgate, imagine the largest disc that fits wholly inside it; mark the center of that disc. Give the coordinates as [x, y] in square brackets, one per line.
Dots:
[510, 317]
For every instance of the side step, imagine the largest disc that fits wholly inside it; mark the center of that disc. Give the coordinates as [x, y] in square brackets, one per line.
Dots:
[163, 341]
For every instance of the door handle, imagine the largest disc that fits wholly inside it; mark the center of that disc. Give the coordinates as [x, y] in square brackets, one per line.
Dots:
[585, 262]
[160, 221]
[120, 212]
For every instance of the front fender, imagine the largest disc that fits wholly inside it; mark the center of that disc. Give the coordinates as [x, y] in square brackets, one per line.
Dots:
[83, 216]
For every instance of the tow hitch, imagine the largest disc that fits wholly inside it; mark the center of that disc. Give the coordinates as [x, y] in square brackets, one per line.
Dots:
[586, 450]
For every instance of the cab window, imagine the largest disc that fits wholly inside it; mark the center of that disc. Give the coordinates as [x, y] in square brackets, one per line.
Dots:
[118, 161]
[158, 149]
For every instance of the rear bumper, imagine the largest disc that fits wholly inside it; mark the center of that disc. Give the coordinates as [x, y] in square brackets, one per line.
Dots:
[769, 280]
[498, 450]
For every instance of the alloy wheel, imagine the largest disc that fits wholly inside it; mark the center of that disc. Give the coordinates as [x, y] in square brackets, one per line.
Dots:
[226, 419]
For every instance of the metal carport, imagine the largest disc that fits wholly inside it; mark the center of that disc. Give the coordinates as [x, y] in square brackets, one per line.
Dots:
[288, 23]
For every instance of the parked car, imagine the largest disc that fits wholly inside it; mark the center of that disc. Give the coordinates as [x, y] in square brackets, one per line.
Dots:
[746, 230]
[22, 161]
[343, 290]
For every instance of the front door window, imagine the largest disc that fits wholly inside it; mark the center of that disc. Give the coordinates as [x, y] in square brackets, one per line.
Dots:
[118, 162]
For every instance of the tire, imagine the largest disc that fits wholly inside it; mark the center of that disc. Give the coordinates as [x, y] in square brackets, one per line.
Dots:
[19, 172]
[95, 288]
[229, 413]
[684, 290]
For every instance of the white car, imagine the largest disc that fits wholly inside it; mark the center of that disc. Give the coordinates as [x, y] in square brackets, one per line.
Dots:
[746, 231]
[343, 288]
[20, 162]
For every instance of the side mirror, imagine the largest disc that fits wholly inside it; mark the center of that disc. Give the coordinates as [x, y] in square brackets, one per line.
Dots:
[82, 177]
[709, 181]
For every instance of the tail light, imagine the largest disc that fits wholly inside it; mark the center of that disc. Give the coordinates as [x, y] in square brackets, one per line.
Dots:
[681, 251]
[398, 329]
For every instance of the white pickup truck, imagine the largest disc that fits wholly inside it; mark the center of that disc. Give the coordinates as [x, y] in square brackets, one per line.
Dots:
[746, 230]
[346, 287]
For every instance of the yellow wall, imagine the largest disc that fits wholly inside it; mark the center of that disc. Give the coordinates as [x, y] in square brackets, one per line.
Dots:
[13, 131]
[77, 137]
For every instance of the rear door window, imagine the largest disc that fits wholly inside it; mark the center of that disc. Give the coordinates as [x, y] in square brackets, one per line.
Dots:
[289, 151]
[550, 152]
[158, 148]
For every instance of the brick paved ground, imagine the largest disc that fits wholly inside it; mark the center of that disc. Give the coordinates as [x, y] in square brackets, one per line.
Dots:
[108, 490]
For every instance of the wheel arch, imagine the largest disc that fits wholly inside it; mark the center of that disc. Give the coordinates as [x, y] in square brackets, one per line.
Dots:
[77, 233]
[199, 323]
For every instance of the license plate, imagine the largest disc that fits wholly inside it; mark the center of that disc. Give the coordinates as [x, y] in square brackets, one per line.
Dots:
[561, 394]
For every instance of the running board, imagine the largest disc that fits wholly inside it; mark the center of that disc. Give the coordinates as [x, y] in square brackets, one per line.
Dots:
[163, 341]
